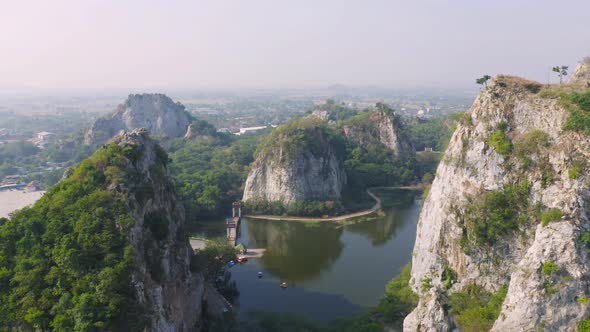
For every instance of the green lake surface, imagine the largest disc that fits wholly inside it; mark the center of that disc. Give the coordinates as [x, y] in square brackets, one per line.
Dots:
[333, 270]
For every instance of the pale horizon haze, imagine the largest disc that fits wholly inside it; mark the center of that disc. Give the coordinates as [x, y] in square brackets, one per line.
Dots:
[92, 44]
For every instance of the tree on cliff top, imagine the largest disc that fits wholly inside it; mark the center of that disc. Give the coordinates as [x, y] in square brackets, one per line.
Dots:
[483, 81]
[561, 72]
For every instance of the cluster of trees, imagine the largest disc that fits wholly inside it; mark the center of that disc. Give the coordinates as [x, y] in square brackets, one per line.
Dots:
[298, 208]
[336, 112]
[309, 134]
[373, 165]
[210, 171]
[495, 214]
[65, 263]
[474, 309]
[366, 165]
[432, 133]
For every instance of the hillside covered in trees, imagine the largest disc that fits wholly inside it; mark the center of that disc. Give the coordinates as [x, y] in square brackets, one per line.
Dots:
[105, 248]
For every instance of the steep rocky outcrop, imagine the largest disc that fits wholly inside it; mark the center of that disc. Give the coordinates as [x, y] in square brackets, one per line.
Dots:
[162, 280]
[582, 72]
[379, 126]
[107, 250]
[297, 162]
[509, 150]
[156, 112]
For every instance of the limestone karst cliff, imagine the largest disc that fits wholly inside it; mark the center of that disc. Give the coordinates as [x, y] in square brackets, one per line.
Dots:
[581, 74]
[298, 161]
[107, 249]
[508, 208]
[379, 126]
[156, 112]
[163, 282]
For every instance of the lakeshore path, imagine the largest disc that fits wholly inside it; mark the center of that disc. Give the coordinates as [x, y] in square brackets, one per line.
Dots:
[375, 207]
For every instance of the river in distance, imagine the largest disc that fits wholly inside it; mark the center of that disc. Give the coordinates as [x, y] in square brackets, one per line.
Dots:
[333, 270]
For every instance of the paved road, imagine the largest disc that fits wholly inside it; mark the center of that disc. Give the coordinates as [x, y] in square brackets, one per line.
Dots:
[375, 207]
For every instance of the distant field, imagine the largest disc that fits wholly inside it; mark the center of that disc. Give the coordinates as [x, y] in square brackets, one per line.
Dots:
[11, 201]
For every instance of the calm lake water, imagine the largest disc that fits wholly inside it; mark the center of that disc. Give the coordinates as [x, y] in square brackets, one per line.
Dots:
[333, 270]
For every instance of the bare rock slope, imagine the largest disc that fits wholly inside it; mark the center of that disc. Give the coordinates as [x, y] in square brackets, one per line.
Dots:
[510, 145]
[582, 72]
[163, 282]
[297, 162]
[156, 112]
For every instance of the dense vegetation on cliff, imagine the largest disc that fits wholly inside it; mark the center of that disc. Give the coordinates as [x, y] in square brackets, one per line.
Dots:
[335, 111]
[509, 197]
[291, 140]
[371, 162]
[210, 170]
[372, 146]
[433, 133]
[65, 263]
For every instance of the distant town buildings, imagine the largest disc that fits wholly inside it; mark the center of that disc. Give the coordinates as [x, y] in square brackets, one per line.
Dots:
[243, 130]
[10, 179]
[11, 182]
[42, 139]
[250, 129]
[33, 186]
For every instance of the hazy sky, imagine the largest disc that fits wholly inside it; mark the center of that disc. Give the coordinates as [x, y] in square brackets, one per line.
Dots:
[279, 43]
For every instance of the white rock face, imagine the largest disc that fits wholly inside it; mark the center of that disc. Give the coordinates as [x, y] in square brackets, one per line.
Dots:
[582, 72]
[306, 177]
[162, 280]
[300, 164]
[155, 112]
[470, 168]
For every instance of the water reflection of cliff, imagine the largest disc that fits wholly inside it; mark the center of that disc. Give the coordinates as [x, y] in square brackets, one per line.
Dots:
[381, 230]
[296, 251]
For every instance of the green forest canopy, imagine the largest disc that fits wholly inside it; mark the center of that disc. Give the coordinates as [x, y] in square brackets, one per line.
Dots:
[65, 262]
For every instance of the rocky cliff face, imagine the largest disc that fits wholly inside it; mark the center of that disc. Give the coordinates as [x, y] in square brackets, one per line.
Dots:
[295, 165]
[478, 167]
[155, 112]
[162, 280]
[582, 72]
[106, 249]
[379, 127]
